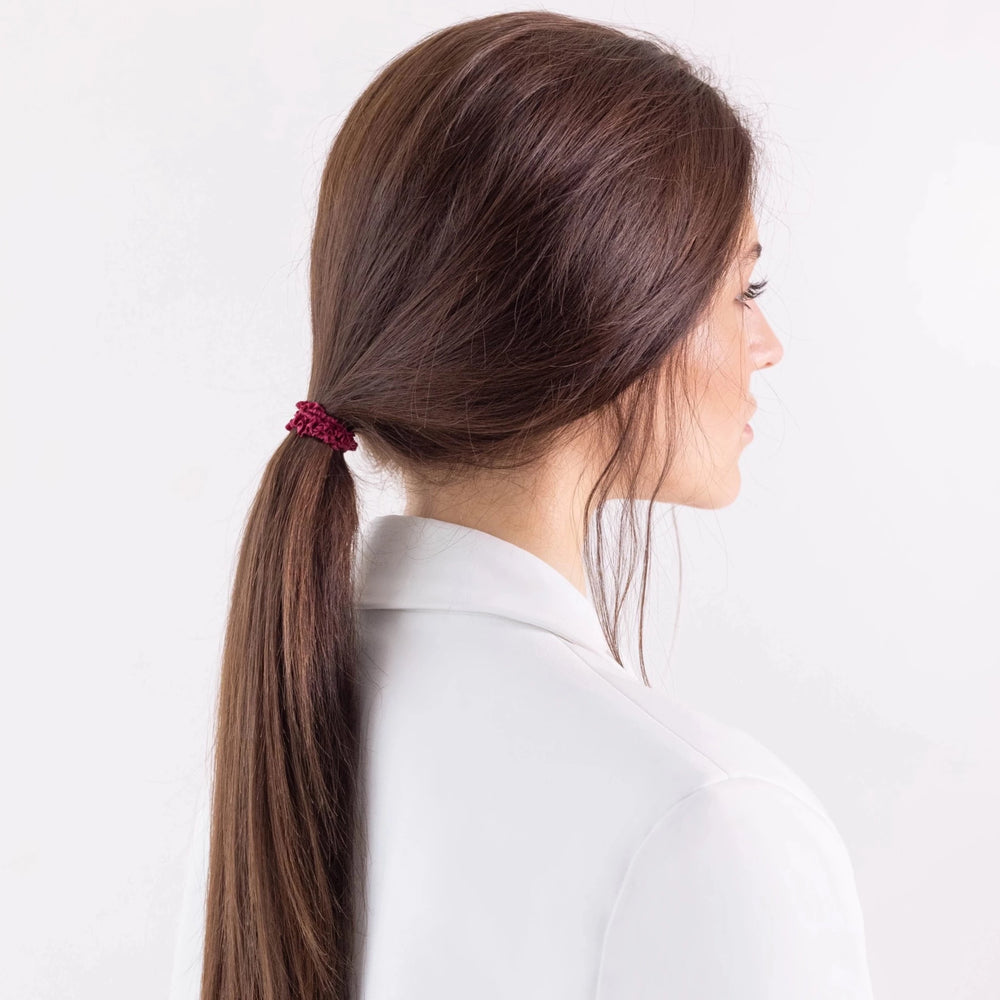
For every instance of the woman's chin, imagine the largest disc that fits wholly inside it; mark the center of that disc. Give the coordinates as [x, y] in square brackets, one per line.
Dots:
[713, 496]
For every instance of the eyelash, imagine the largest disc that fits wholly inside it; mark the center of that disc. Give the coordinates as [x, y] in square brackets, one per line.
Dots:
[753, 291]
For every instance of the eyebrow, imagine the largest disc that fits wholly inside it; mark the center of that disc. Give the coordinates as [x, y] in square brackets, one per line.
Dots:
[753, 253]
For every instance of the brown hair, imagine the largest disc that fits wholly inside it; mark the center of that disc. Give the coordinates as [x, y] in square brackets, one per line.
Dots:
[520, 222]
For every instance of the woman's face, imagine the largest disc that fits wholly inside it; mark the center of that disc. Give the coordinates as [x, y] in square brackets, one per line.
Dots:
[734, 342]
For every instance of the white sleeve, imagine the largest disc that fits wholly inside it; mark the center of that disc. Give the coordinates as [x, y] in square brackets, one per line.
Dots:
[741, 891]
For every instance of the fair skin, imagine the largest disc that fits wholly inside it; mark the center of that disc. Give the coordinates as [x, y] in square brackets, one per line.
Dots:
[541, 510]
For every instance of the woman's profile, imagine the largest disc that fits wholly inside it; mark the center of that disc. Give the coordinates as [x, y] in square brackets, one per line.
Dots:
[436, 776]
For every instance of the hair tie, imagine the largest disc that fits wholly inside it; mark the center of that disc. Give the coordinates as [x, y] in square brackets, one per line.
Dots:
[311, 420]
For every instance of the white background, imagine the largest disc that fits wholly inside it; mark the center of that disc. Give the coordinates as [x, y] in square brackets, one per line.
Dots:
[159, 176]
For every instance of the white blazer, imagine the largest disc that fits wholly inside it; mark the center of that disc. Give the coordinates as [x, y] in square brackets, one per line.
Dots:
[542, 826]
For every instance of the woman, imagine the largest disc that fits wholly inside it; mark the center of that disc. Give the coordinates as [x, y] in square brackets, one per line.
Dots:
[434, 777]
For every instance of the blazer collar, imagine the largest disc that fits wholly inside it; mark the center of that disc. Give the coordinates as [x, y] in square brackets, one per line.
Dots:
[405, 561]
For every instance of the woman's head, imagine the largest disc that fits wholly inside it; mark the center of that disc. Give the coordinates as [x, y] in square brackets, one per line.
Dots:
[530, 236]
[527, 240]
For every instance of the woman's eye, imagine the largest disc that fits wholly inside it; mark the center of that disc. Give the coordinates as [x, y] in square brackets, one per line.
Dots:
[753, 291]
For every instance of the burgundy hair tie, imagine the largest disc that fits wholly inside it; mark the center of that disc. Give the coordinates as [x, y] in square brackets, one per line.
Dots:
[311, 420]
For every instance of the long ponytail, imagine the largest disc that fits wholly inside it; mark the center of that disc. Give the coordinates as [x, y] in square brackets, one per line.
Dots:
[286, 883]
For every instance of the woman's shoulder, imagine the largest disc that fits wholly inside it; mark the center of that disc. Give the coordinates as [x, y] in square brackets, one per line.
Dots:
[712, 749]
[465, 695]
